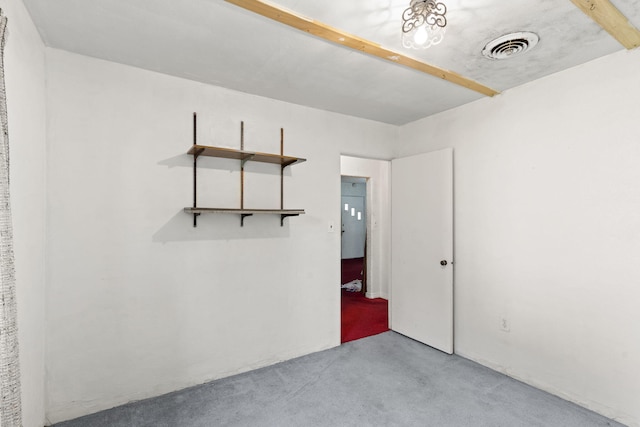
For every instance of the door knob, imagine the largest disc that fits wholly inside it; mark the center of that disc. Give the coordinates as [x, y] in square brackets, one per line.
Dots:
[443, 262]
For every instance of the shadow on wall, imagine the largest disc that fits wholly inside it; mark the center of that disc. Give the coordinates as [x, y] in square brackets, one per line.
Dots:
[183, 160]
[215, 163]
[221, 227]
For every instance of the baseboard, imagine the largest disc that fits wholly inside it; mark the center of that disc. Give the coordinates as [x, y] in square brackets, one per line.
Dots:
[591, 405]
[76, 409]
[372, 295]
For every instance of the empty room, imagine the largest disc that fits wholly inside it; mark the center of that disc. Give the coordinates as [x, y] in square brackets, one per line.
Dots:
[174, 208]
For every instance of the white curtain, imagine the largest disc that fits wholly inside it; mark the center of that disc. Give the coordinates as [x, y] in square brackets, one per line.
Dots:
[10, 406]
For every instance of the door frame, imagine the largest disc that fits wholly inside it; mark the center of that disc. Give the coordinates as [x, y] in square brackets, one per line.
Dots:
[378, 216]
[367, 231]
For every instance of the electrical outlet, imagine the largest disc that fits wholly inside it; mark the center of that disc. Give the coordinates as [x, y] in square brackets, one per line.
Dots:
[332, 227]
[504, 324]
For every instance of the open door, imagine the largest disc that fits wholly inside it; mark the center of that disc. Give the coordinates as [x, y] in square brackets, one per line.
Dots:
[422, 248]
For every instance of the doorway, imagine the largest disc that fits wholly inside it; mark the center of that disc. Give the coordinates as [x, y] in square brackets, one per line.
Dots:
[360, 316]
[354, 233]
[421, 287]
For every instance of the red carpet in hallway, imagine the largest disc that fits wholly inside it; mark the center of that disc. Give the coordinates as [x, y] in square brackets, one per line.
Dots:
[352, 269]
[363, 317]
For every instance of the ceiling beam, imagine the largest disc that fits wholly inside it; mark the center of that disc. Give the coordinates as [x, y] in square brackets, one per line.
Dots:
[611, 19]
[340, 37]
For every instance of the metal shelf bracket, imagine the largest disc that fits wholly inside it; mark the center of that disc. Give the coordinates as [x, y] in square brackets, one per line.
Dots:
[242, 217]
[283, 216]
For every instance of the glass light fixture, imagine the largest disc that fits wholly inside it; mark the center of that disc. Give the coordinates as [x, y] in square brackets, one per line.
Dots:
[423, 24]
[346, 206]
[353, 211]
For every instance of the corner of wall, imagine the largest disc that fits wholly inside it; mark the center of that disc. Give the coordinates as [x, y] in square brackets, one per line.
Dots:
[25, 88]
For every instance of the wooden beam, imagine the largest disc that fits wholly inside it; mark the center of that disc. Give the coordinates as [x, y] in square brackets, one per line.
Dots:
[611, 19]
[340, 37]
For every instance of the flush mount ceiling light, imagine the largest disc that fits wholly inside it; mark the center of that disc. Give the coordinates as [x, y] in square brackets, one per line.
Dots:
[510, 45]
[423, 24]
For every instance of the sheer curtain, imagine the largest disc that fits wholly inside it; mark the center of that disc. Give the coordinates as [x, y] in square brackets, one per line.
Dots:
[10, 406]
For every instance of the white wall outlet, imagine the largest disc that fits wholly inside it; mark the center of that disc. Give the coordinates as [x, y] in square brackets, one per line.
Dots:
[504, 324]
[332, 227]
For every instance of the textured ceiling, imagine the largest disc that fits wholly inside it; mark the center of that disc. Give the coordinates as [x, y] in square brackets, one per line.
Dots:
[218, 43]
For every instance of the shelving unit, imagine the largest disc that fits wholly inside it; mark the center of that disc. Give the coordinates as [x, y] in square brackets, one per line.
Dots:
[243, 156]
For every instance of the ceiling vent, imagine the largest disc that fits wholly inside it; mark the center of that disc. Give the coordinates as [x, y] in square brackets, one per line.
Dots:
[510, 45]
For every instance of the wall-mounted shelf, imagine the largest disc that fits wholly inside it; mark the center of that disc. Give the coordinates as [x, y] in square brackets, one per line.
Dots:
[244, 156]
[284, 213]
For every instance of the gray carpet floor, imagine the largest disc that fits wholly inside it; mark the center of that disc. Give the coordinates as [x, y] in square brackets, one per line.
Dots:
[384, 380]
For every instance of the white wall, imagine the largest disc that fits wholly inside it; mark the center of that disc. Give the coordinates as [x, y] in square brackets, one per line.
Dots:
[378, 219]
[25, 88]
[547, 227]
[140, 302]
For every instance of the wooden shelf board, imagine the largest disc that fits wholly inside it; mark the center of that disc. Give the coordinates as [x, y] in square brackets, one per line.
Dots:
[230, 153]
[246, 211]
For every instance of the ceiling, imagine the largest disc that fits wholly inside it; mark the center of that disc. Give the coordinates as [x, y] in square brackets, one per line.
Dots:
[216, 42]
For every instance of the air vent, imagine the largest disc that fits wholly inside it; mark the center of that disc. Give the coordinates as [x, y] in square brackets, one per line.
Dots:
[510, 45]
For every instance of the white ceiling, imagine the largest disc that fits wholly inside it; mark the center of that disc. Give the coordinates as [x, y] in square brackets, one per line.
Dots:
[218, 43]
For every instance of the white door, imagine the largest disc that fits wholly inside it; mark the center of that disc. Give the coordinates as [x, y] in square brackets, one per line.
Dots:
[422, 240]
[354, 229]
